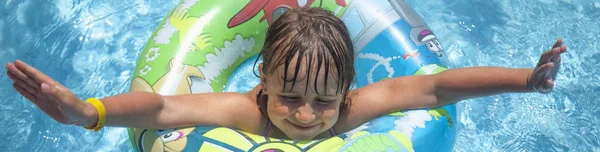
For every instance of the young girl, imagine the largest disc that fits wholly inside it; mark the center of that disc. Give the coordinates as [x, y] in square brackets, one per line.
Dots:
[307, 70]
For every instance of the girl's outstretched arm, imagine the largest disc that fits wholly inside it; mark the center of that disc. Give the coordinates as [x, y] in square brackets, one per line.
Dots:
[426, 91]
[134, 109]
[465, 83]
[459, 84]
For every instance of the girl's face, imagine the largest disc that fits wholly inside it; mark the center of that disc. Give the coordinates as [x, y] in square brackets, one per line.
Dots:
[299, 111]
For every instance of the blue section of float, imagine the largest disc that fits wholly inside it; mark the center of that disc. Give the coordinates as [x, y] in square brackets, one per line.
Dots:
[391, 50]
[245, 77]
[438, 135]
[392, 53]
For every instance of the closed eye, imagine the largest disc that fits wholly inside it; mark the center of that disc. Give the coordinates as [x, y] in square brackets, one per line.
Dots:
[290, 99]
[324, 102]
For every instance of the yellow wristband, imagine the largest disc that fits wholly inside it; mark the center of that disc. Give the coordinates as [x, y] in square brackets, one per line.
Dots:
[101, 114]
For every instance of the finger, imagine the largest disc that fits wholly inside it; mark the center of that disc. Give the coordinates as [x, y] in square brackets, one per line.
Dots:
[548, 55]
[35, 92]
[13, 69]
[48, 108]
[547, 86]
[25, 94]
[556, 60]
[563, 49]
[35, 74]
[558, 43]
[22, 76]
[545, 56]
[558, 52]
[554, 71]
[21, 83]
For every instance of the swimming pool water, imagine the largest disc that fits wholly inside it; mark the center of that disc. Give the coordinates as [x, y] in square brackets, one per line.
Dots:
[92, 47]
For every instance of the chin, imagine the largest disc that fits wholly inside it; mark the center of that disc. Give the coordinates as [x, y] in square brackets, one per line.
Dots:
[301, 137]
[307, 134]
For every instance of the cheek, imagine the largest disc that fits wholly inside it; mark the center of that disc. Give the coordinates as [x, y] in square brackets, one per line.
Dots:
[330, 112]
[276, 109]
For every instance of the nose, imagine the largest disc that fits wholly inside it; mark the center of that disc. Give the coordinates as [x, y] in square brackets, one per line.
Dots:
[305, 114]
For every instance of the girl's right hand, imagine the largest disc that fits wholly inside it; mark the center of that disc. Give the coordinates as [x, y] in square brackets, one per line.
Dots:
[50, 96]
[542, 78]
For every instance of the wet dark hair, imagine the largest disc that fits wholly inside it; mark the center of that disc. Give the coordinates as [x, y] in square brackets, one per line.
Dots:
[316, 36]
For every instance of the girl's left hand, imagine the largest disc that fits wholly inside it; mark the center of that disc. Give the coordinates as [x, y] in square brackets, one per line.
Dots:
[542, 78]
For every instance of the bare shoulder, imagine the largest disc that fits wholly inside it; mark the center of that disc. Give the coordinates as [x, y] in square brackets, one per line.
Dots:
[255, 122]
[384, 97]
[228, 109]
[351, 115]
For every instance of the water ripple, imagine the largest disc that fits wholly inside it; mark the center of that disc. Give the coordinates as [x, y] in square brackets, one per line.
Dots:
[72, 41]
[514, 33]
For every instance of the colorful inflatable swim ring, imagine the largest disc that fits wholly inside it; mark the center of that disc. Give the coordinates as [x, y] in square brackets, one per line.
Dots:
[210, 45]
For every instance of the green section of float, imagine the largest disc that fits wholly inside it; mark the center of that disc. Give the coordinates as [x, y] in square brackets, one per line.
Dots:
[430, 69]
[215, 15]
[183, 27]
[332, 6]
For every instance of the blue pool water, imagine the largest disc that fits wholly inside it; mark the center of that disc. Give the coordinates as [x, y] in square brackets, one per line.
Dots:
[92, 46]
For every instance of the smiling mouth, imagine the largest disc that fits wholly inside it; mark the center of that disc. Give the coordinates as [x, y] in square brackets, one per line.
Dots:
[302, 127]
